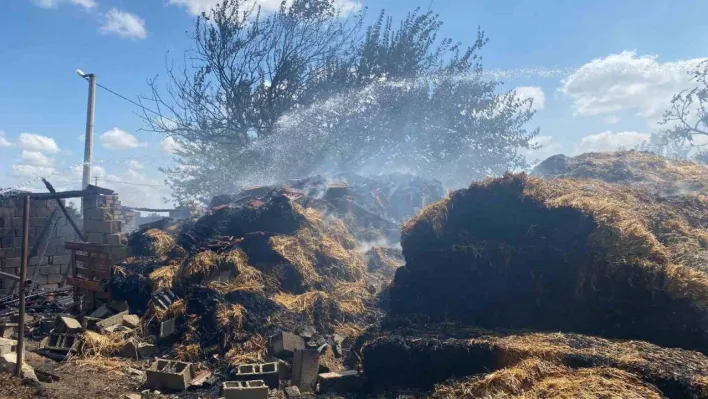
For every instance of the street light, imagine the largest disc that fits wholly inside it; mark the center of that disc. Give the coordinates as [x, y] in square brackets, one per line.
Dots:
[88, 144]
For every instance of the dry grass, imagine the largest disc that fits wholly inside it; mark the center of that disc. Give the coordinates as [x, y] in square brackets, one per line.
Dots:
[298, 250]
[111, 365]
[254, 350]
[249, 279]
[188, 352]
[99, 345]
[302, 303]
[349, 330]
[163, 277]
[230, 317]
[534, 379]
[160, 243]
[200, 267]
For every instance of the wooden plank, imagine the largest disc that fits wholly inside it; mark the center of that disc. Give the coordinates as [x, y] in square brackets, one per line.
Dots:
[87, 247]
[90, 285]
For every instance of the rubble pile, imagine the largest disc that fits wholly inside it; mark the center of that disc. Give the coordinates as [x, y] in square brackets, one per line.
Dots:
[310, 259]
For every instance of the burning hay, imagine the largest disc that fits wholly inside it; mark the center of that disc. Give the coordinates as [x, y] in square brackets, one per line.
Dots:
[560, 255]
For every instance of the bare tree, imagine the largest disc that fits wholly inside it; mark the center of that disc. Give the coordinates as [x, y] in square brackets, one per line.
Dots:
[688, 108]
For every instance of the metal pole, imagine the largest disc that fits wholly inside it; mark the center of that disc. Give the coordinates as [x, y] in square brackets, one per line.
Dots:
[23, 279]
[88, 144]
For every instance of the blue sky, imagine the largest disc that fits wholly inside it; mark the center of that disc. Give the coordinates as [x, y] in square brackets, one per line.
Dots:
[601, 73]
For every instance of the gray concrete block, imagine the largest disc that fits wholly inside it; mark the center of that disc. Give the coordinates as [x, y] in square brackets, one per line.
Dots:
[167, 328]
[267, 372]
[244, 390]
[65, 324]
[284, 344]
[169, 375]
[306, 366]
[338, 382]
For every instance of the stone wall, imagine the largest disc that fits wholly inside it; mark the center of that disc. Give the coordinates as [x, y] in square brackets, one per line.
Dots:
[49, 261]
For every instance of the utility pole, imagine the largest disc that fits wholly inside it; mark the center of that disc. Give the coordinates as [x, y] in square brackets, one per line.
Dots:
[88, 143]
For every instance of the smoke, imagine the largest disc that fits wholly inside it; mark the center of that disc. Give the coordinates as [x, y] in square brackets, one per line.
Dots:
[390, 126]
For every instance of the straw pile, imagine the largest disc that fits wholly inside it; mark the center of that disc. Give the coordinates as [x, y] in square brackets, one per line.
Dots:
[561, 255]
[247, 270]
[526, 364]
[658, 174]
[535, 379]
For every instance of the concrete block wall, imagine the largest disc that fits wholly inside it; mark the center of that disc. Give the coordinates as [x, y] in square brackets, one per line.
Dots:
[104, 224]
[49, 263]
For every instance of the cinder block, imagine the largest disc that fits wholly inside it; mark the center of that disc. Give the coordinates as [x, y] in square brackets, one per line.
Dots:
[338, 382]
[306, 366]
[8, 330]
[167, 328]
[60, 343]
[65, 324]
[131, 321]
[169, 375]
[98, 238]
[284, 344]
[244, 390]
[114, 320]
[7, 346]
[54, 278]
[118, 239]
[267, 372]
[292, 392]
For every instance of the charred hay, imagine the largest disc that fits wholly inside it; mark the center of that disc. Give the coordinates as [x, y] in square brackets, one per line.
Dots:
[658, 174]
[274, 259]
[420, 356]
[560, 255]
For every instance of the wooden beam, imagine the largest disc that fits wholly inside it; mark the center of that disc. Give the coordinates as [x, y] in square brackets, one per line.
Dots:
[63, 209]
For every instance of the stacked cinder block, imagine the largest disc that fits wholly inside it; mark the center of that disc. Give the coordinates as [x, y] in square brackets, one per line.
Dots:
[129, 217]
[49, 261]
[103, 224]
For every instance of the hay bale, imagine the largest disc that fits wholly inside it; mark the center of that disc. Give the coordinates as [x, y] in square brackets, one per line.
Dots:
[422, 356]
[559, 255]
[658, 174]
[536, 379]
[151, 242]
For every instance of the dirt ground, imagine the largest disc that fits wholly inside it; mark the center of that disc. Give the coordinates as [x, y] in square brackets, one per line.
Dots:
[77, 380]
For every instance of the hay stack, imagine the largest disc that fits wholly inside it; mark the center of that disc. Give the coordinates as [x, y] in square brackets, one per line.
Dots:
[659, 174]
[420, 356]
[560, 255]
[534, 379]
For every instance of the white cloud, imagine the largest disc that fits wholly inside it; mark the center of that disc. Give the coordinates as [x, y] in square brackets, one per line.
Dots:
[123, 24]
[35, 158]
[533, 92]
[138, 188]
[611, 120]
[133, 164]
[36, 142]
[169, 145]
[627, 81]
[87, 4]
[31, 171]
[548, 148]
[119, 139]
[196, 7]
[608, 141]
[3, 141]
